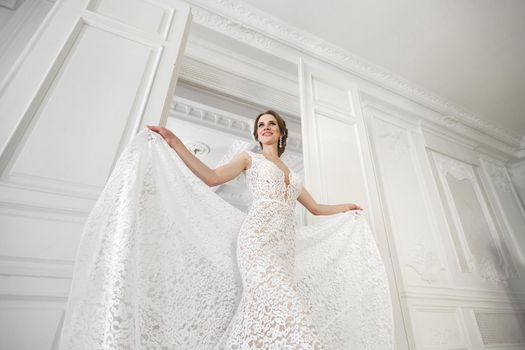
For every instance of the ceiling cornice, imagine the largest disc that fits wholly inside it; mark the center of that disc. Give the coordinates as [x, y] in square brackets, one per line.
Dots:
[258, 29]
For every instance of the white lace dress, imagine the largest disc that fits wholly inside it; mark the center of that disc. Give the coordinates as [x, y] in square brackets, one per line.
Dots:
[272, 313]
[165, 263]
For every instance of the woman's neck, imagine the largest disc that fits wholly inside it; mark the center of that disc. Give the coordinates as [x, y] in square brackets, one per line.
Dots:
[270, 151]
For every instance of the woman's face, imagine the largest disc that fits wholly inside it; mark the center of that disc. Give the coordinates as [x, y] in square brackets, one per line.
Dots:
[267, 129]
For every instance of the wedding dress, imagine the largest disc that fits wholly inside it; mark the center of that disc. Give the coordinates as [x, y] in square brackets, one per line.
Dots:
[165, 263]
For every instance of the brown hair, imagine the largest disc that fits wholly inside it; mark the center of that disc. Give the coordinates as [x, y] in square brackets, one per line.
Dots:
[282, 128]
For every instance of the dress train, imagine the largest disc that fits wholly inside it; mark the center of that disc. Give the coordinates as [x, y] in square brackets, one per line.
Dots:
[165, 263]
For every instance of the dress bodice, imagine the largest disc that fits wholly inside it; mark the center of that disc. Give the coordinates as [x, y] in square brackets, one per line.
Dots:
[267, 182]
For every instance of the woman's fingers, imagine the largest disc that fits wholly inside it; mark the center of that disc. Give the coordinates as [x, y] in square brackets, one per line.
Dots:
[153, 128]
[355, 207]
[166, 134]
[159, 130]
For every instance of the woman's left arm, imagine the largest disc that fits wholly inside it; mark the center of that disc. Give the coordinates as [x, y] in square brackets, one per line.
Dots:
[306, 199]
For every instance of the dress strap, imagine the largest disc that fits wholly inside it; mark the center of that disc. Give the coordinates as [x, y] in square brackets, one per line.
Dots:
[254, 155]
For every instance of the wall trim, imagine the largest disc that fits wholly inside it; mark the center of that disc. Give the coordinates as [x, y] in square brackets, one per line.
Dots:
[461, 294]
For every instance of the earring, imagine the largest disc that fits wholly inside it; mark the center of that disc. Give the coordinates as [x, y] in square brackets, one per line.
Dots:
[281, 142]
[259, 146]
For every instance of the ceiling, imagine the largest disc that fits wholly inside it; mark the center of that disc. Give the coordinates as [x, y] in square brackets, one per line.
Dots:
[471, 53]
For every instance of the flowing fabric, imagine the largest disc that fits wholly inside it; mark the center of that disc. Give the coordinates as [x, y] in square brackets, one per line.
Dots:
[165, 263]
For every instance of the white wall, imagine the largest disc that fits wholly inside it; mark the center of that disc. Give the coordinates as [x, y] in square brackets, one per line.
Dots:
[447, 218]
[456, 228]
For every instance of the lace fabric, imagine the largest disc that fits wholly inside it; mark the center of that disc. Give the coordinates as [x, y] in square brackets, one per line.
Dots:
[165, 263]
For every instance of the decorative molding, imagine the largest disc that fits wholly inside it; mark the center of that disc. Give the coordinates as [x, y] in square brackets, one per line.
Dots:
[35, 267]
[66, 213]
[258, 29]
[197, 148]
[26, 281]
[425, 262]
[51, 211]
[417, 117]
[462, 295]
[223, 16]
[455, 167]
[499, 177]
[394, 136]
[498, 273]
[52, 185]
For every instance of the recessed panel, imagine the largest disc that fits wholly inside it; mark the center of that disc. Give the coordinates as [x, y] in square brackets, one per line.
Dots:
[332, 96]
[499, 328]
[77, 129]
[28, 328]
[34, 237]
[475, 235]
[438, 328]
[144, 15]
[340, 161]
[484, 255]
[404, 188]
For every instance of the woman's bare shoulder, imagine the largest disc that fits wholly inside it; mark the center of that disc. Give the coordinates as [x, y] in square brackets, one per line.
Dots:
[246, 157]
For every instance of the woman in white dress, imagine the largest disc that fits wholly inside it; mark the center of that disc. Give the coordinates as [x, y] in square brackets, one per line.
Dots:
[165, 263]
[271, 314]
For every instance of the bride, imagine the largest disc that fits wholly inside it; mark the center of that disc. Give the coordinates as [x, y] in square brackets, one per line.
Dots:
[164, 263]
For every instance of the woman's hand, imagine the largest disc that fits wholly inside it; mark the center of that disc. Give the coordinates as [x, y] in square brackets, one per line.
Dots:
[306, 199]
[165, 133]
[352, 206]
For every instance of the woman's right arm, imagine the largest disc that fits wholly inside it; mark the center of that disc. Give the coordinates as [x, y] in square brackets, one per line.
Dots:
[211, 177]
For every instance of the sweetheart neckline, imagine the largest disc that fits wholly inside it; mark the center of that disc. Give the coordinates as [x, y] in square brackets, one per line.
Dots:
[283, 175]
[290, 172]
